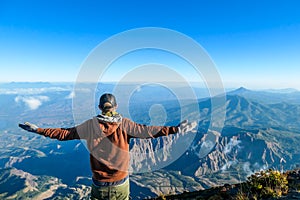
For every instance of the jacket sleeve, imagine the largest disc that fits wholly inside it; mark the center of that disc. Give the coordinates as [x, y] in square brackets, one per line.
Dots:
[59, 133]
[135, 130]
[82, 131]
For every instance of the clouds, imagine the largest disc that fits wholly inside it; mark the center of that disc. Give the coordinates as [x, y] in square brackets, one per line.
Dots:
[71, 95]
[32, 102]
[228, 164]
[234, 143]
[247, 169]
[33, 90]
[231, 144]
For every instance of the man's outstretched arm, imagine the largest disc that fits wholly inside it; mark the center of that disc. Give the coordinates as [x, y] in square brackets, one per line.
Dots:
[54, 133]
[135, 130]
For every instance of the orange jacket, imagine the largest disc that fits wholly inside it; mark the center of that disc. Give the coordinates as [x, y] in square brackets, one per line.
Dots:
[108, 143]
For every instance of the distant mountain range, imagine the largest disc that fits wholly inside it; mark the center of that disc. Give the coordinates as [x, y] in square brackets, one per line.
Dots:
[291, 96]
[261, 130]
[257, 134]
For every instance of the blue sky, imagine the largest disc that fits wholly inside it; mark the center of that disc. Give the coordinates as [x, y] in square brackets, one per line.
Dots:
[254, 44]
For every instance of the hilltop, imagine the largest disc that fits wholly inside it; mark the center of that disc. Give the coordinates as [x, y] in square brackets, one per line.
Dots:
[264, 185]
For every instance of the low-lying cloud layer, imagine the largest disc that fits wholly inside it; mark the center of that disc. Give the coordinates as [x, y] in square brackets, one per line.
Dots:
[33, 91]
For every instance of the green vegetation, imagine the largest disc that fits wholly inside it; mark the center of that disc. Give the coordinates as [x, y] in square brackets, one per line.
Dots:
[263, 185]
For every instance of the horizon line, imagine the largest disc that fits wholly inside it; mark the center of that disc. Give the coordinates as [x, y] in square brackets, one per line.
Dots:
[139, 82]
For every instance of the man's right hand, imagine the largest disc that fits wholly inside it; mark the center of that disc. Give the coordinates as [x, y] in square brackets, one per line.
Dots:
[29, 127]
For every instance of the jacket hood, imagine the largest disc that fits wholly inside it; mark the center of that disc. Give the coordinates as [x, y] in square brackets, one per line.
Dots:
[109, 123]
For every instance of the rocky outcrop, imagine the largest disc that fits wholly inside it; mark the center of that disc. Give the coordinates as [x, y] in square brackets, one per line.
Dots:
[237, 191]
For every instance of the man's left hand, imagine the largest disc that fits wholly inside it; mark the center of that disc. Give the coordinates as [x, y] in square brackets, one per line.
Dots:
[185, 127]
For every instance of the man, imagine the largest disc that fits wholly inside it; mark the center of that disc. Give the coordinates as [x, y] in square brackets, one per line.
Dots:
[107, 137]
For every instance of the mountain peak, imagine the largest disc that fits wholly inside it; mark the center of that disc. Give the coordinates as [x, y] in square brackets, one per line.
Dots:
[240, 90]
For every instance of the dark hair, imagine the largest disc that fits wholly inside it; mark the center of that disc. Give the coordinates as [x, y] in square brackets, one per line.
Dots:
[107, 98]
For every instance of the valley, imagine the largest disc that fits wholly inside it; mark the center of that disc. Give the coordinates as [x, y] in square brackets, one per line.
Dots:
[261, 131]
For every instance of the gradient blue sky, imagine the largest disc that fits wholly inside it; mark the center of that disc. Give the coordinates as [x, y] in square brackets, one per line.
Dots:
[255, 44]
